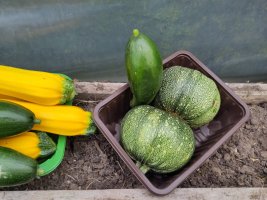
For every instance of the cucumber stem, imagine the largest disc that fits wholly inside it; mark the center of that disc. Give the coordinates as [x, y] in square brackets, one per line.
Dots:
[135, 32]
[37, 121]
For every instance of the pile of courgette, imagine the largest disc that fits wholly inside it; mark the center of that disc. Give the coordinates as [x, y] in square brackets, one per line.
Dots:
[34, 105]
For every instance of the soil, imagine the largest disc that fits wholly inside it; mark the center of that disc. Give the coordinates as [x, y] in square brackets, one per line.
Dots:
[91, 163]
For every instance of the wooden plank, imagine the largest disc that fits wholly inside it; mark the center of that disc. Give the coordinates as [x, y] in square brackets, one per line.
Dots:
[95, 90]
[130, 194]
[97, 87]
[251, 93]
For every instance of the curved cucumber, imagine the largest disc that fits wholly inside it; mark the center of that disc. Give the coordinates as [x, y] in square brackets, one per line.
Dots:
[15, 119]
[144, 68]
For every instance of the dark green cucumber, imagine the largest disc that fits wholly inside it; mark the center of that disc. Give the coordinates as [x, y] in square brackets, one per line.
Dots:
[16, 168]
[144, 68]
[15, 119]
[190, 94]
[156, 139]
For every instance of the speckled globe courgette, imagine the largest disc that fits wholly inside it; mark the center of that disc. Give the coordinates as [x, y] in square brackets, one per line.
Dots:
[190, 94]
[156, 140]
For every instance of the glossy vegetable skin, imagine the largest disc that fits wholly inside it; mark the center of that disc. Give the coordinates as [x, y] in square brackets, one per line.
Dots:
[144, 68]
[32, 144]
[64, 120]
[16, 168]
[36, 86]
[15, 118]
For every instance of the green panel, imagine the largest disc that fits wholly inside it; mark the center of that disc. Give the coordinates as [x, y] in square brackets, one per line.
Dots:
[86, 38]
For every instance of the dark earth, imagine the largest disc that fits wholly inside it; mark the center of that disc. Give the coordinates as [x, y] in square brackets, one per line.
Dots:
[91, 163]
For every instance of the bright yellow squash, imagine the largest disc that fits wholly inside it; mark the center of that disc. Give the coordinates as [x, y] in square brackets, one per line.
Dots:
[31, 144]
[2, 96]
[61, 119]
[36, 86]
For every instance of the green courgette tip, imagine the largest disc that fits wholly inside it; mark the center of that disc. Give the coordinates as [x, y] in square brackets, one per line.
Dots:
[72, 95]
[135, 32]
[40, 171]
[91, 129]
[37, 121]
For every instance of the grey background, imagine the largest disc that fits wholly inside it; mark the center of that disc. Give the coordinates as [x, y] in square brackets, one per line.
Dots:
[86, 39]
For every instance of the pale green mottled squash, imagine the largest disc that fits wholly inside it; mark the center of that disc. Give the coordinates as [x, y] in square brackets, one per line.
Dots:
[156, 140]
[190, 94]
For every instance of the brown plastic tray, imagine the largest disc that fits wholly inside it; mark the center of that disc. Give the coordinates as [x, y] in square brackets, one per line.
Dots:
[232, 114]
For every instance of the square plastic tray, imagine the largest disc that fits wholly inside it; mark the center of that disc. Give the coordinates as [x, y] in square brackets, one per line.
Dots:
[232, 114]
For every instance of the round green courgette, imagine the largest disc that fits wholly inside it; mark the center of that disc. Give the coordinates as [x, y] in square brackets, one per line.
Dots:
[156, 140]
[190, 94]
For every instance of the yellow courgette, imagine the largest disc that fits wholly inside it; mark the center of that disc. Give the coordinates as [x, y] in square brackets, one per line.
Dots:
[36, 86]
[2, 96]
[31, 144]
[61, 119]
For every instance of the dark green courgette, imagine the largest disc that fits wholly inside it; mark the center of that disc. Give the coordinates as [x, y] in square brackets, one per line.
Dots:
[15, 119]
[16, 168]
[144, 68]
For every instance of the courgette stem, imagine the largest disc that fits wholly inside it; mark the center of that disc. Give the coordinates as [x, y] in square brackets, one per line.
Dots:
[69, 90]
[91, 130]
[142, 167]
[135, 32]
[46, 144]
[37, 121]
[92, 127]
[72, 95]
[40, 172]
